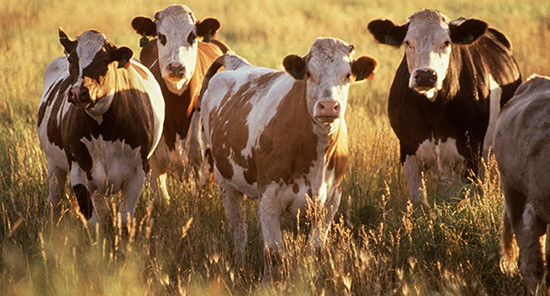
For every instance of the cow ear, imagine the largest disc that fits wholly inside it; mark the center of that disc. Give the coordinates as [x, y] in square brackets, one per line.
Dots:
[468, 31]
[67, 43]
[144, 26]
[364, 68]
[122, 55]
[208, 28]
[295, 66]
[386, 32]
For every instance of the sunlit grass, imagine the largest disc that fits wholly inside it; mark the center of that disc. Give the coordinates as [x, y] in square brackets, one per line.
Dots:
[380, 243]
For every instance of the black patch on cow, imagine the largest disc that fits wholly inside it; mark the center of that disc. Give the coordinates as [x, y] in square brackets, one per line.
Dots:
[84, 200]
[461, 109]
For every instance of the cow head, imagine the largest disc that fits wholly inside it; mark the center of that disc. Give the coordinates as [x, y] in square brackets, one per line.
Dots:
[92, 63]
[428, 37]
[328, 70]
[177, 31]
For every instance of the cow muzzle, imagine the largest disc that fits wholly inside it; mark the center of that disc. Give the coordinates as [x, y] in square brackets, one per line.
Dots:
[80, 97]
[327, 112]
[175, 70]
[425, 78]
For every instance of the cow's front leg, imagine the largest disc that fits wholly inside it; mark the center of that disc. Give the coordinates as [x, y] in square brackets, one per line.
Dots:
[158, 180]
[233, 202]
[269, 216]
[57, 178]
[413, 174]
[322, 217]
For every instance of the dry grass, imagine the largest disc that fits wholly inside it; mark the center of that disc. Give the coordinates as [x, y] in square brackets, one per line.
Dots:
[380, 244]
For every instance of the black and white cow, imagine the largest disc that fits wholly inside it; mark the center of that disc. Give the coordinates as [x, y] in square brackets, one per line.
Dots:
[99, 120]
[446, 93]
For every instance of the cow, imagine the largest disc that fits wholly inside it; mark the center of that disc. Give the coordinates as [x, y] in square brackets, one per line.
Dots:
[446, 93]
[179, 60]
[99, 120]
[281, 139]
[522, 152]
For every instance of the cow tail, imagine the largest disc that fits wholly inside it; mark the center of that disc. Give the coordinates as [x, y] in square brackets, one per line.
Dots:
[510, 250]
[196, 147]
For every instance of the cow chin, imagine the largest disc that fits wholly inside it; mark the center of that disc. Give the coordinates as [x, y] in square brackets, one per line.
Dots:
[176, 85]
[326, 120]
[430, 94]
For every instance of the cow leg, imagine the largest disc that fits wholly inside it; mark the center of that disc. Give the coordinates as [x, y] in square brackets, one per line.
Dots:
[80, 189]
[528, 228]
[130, 196]
[233, 202]
[57, 178]
[101, 208]
[322, 220]
[158, 181]
[269, 217]
[413, 174]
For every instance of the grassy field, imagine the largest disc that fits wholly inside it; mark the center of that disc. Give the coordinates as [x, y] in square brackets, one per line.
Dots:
[380, 244]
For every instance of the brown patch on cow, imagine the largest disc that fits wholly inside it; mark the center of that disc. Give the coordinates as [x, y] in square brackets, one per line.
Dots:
[287, 147]
[179, 109]
[229, 130]
[295, 188]
[337, 154]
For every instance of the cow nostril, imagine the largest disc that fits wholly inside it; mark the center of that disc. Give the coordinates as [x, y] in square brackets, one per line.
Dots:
[426, 78]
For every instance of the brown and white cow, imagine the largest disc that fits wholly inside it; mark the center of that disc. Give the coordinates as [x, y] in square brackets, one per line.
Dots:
[179, 60]
[522, 151]
[99, 120]
[281, 138]
[446, 93]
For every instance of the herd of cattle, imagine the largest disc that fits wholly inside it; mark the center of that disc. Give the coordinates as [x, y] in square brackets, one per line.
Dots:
[190, 104]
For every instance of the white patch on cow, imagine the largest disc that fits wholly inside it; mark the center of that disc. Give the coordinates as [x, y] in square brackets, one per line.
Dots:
[114, 163]
[176, 22]
[494, 109]
[427, 47]
[89, 44]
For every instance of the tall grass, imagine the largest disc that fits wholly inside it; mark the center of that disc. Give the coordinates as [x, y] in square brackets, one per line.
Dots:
[380, 244]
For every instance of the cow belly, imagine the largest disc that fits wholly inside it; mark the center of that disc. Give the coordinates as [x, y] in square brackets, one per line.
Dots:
[114, 163]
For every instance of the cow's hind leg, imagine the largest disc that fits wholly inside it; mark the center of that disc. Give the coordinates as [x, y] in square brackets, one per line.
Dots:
[528, 228]
[130, 196]
[57, 178]
[233, 202]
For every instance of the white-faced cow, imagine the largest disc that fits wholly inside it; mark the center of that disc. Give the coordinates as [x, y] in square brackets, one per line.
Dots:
[281, 138]
[99, 119]
[179, 60]
[447, 91]
[522, 151]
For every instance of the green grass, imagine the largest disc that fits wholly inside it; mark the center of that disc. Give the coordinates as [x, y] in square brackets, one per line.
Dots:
[380, 244]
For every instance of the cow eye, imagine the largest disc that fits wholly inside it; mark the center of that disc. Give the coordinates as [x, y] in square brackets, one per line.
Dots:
[447, 43]
[191, 38]
[162, 38]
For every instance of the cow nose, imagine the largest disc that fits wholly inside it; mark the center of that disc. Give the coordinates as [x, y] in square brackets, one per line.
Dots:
[329, 109]
[425, 77]
[79, 94]
[176, 70]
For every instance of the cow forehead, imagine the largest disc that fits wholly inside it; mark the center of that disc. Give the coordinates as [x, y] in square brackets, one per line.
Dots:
[427, 24]
[176, 19]
[89, 44]
[329, 53]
